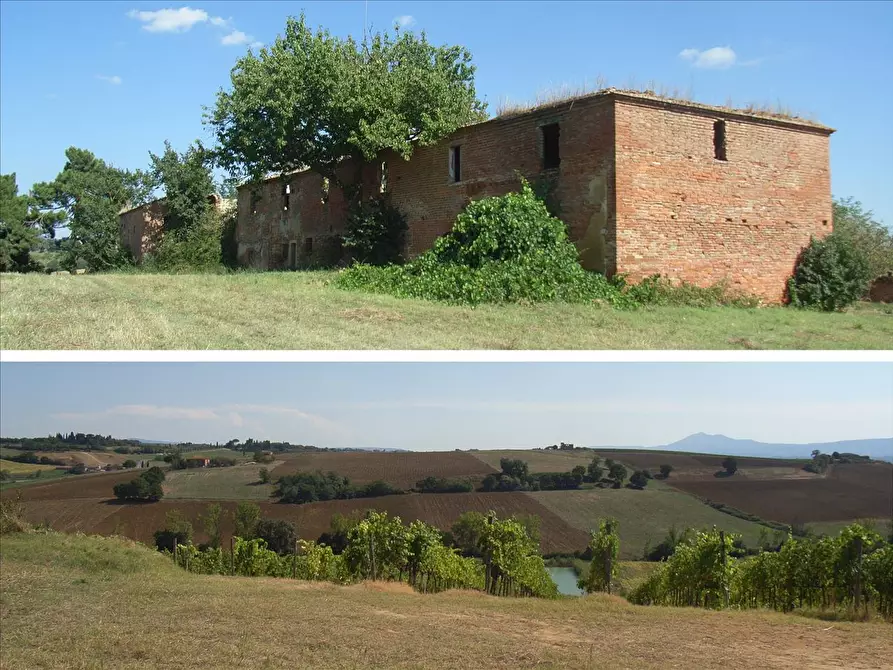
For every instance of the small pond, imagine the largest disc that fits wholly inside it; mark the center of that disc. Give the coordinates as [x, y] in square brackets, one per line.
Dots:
[566, 580]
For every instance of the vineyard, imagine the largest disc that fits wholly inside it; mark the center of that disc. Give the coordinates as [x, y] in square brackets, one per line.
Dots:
[381, 547]
[853, 570]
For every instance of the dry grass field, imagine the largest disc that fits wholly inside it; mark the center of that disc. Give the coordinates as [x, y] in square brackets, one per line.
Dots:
[847, 491]
[154, 311]
[239, 482]
[401, 469]
[16, 468]
[86, 602]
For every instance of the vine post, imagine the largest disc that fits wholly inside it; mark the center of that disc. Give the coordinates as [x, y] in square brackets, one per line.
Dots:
[725, 577]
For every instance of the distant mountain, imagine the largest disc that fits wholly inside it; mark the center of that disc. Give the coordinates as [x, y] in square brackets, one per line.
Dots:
[879, 449]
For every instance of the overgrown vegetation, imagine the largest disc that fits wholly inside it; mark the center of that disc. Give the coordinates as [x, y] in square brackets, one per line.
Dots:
[508, 249]
[831, 274]
[192, 239]
[853, 570]
[376, 232]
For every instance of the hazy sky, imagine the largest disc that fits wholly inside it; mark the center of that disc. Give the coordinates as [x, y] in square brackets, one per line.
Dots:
[120, 78]
[440, 406]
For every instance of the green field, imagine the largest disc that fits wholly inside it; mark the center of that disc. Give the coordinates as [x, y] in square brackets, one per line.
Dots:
[16, 468]
[45, 476]
[302, 310]
[240, 482]
[643, 516]
[69, 601]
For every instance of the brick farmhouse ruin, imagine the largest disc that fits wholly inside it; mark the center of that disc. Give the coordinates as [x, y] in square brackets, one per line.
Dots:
[141, 228]
[646, 185]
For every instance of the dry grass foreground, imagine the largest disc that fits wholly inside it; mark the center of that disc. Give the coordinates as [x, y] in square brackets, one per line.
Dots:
[301, 310]
[87, 602]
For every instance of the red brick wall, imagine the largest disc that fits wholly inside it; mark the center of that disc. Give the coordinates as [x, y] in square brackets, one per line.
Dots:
[492, 153]
[684, 214]
[265, 228]
[141, 228]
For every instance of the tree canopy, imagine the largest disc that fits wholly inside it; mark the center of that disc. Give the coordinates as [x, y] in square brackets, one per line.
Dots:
[87, 196]
[314, 99]
[17, 234]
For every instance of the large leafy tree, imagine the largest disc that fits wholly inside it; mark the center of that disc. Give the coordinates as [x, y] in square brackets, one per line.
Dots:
[17, 236]
[191, 225]
[871, 238]
[87, 196]
[314, 99]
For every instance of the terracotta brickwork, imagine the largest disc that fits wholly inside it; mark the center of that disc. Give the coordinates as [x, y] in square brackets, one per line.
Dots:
[683, 213]
[637, 182]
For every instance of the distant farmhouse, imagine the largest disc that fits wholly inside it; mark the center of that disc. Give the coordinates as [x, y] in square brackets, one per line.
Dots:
[647, 185]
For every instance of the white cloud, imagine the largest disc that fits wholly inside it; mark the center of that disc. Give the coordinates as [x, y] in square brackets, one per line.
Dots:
[234, 38]
[405, 21]
[256, 45]
[170, 20]
[717, 58]
[114, 79]
[221, 22]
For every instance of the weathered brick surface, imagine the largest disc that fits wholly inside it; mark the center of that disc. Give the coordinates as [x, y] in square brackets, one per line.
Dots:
[684, 214]
[637, 185]
[141, 228]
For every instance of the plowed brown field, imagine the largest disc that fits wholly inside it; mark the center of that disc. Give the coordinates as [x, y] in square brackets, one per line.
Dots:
[401, 469]
[849, 491]
[139, 521]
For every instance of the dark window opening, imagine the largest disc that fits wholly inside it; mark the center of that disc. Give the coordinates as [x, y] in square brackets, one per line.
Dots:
[292, 255]
[286, 197]
[325, 190]
[551, 155]
[383, 178]
[308, 245]
[456, 164]
[285, 253]
[719, 140]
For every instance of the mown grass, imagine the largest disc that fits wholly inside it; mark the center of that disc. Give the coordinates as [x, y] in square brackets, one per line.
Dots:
[643, 516]
[87, 602]
[302, 310]
[239, 482]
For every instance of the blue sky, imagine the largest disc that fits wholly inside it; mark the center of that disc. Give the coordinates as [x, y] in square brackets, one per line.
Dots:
[443, 406]
[120, 78]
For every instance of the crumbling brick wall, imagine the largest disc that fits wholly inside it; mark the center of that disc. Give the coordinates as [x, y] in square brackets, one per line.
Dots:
[141, 228]
[494, 154]
[685, 214]
[638, 185]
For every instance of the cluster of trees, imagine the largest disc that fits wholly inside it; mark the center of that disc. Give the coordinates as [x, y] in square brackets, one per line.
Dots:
[62, 442]
[515, 475]
[305, 487]
[821, 462]
[33, 459]
[441, 485]
[146, 487]
[852, 570]
[336, 101]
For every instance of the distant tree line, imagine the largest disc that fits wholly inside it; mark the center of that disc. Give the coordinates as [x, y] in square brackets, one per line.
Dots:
[62, 442]
[305, 487]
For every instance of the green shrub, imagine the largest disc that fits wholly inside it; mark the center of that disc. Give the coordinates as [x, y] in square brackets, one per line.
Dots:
[376, 232]
[509, 249]
[196, 248]
[831, 274]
